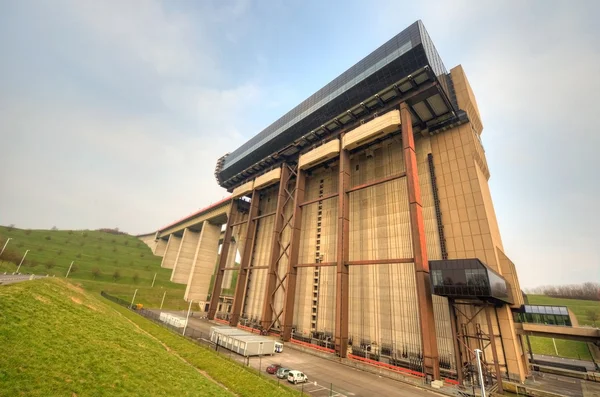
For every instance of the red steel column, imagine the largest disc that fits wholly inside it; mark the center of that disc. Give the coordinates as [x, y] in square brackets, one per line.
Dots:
[431, 362]
[290, 291]
[240, 287]
[216, 292]
[342, 285]
[267, 314]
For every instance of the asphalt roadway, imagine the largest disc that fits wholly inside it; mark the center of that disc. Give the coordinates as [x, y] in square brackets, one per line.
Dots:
[325, 377]
[16, 278]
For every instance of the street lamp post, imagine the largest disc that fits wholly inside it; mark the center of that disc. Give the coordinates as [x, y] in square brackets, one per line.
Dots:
[69, 271]
[187, 317]
[163, 300]
[22, 259]
[5, 244]
[477, 351]
[133, 299]
[153, 280]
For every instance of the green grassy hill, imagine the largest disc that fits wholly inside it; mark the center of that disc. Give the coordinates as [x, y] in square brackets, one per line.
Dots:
[566, 348]
[118, 264]
[59, 340]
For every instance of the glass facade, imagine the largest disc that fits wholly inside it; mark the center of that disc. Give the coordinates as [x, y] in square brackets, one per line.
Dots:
[467, 278]
[406, 53]
[542, 314]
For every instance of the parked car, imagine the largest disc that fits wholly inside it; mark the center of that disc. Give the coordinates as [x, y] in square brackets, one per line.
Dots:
[282, 373]
[273, 368]
[297, 377]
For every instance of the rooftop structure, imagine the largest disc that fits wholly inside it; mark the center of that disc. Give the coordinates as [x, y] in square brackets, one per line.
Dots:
[407, 64]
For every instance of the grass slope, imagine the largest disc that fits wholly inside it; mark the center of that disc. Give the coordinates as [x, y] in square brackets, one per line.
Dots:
[58, 340]
[51, 252]
[565, 348]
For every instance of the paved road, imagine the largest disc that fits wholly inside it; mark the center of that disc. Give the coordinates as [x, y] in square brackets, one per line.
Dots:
[11, 279]
[325, 375]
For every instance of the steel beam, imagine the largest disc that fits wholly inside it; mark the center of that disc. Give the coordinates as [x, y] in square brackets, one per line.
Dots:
[377, 182]
[240, 287]
[216, 292]
[342, 285]
[380, 261]
[455, 340]
[267, 314]
[431, 361]
[326, 197]
[290, 291]
[317, 264]
[494, 350]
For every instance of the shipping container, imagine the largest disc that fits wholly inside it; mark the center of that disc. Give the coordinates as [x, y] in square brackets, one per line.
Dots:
[242, 342]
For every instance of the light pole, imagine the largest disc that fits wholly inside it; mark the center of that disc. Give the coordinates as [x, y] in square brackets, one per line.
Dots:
[477, 351]
[22, 259]
[163, 300]
[187, 317]
[5, 244]
[153, 280]
[69, 271]
[134, 294]
[260, 349]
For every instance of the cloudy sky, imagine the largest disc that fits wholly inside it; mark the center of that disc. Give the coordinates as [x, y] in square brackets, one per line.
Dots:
[112, 114]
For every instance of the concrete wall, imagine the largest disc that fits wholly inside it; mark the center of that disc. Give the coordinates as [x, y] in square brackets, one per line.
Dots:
[204, 264]
[171, 251]
[185, 257]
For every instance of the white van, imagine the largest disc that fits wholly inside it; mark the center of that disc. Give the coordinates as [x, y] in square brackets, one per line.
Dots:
[297, 377]
[278, 347]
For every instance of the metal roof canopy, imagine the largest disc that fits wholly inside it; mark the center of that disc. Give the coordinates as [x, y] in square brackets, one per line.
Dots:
[406, 68]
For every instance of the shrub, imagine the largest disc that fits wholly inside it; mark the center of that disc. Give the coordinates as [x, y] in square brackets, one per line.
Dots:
[70, 232]
[82, 243]
[84, 234]
[74, 268]
[142, 255]
[59, 252]
[49, 264]
[78, 255]
[40, 249]
[20, 245]
[98, 258]
[126, 243]
[96, 273]
[28, 232]
[136, 278]
[48, 238]
[11, 227]
[114, 240]
[116, 275]
[115, 249]
[147, 267]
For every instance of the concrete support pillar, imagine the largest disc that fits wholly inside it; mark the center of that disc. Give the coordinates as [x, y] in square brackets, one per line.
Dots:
[290, 290]
[425, 301]
[185, 257]
[160, 247]
[240, 288]
[268, 306]
[203, 265]
[171, 251]
[343, 237]
[225, 254]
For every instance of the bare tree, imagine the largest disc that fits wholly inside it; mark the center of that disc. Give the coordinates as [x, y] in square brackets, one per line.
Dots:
[592, 315]
[96, 273]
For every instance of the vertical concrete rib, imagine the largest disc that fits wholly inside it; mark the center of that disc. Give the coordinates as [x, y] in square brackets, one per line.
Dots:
[216, 291]
[426, 316]
[203, 265]
[342, 285]
[185, 256]
[240, 288]
[269, 299]
[171, 251]
[290, 292]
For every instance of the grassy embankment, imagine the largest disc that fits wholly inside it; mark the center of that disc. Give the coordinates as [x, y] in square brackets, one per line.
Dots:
[566, 348]
[117, 264]
[58, 339]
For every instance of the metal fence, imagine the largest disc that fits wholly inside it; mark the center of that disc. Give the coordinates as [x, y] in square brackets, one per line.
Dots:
[256, 365]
